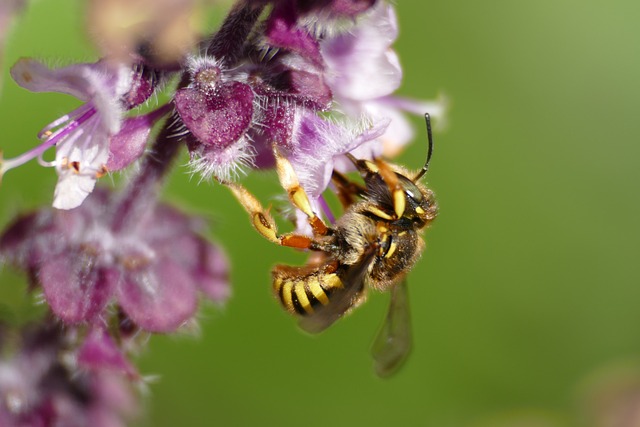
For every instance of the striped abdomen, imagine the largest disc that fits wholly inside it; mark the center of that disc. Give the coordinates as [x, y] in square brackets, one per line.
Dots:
[304, 293]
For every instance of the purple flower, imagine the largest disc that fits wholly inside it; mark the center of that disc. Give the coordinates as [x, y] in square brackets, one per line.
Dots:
[363, 72]
[42, 384]
[153, 269]
[216, 110]
[83, 137]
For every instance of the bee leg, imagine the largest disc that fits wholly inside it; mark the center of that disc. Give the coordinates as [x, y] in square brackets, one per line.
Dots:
[263, 222]
[395, 187]
[296, 193]
[365, 167]
[382, 168]
[347, 190]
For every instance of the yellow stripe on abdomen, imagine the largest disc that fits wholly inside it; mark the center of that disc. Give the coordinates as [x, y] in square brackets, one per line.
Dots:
[287, 297]
[331, 282]
[303, 300]
[317, 291]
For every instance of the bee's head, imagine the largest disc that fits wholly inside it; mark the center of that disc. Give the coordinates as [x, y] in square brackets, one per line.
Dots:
[419, 202]
[399, 197]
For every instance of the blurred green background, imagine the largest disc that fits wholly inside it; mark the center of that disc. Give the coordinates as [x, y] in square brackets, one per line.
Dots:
[529, 291]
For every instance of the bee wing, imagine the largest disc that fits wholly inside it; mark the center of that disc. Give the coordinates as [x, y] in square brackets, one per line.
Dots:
[342, 299]
[393, 342]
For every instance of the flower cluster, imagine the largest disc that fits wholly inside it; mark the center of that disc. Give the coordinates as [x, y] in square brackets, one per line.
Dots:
[312, 80]
[45, 381]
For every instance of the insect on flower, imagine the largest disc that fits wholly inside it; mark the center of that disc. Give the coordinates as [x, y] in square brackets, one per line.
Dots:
[374, 244]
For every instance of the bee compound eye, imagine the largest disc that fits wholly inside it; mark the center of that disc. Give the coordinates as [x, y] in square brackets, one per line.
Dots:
[411, 190]
[414, 194]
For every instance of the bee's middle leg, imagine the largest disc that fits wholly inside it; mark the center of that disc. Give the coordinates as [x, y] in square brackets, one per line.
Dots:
[264, 224]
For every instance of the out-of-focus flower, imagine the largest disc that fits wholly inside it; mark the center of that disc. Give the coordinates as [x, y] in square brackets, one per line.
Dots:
[610, 396]
[8, 10]
[43, 384]
[331, 8]
[95, 136]
[153, 269]
[521, 418]
[363, 72]
[100, 352]
[163, 31]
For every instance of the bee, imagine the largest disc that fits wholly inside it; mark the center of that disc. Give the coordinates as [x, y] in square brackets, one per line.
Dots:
[374, 244]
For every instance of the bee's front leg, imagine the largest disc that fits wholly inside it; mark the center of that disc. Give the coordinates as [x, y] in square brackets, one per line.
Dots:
[296, 193]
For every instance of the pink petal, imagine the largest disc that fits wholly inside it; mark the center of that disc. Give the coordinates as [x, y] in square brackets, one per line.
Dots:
[282, 32]
[216, 118]
[26, 240]
[208, 264]
[100, 83]
[36, 77]
[76, 289]
[320, 143]
[99, 351]
[128, 145]
[159, 298]
[350, 7]
[361, 64]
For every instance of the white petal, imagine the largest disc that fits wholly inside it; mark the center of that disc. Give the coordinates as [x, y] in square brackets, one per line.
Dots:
[398, 134]
[72, 189]
[109, 83]
[438, 108]
[90, 151]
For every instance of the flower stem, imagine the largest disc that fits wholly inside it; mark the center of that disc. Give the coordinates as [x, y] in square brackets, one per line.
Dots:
[141, 193]
[227, 44]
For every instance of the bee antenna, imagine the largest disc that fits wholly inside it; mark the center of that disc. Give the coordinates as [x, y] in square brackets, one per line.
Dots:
[425, 168]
